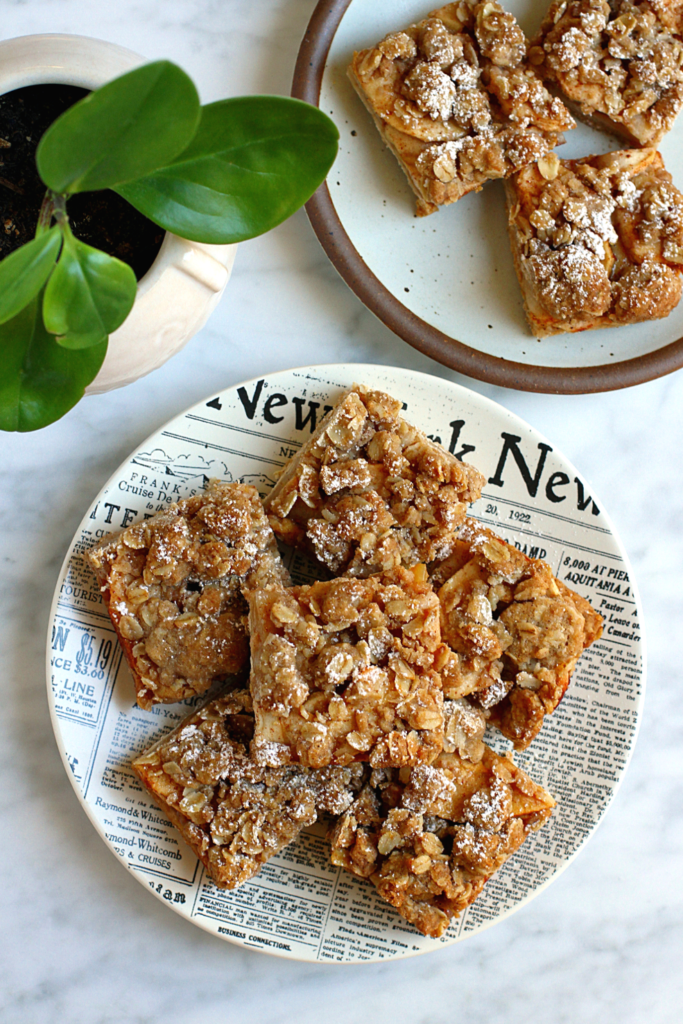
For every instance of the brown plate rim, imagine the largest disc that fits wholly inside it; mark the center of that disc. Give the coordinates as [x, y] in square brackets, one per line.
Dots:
[561, 380]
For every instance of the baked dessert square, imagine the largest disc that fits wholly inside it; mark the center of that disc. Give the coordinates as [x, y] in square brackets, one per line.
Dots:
[173, 586]
[516, 632]
[348, 670]
[597, 242]
[618, 64]
[457, 101]
[430, 837]
[370, 492]
[234, 814]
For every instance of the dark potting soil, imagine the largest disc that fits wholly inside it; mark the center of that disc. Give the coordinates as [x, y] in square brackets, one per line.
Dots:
[101, 219]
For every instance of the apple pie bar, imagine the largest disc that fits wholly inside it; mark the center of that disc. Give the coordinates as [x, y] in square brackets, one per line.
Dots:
[234, 814]
[597, 242]
[430, 837]
[457, 101]
[348, 670]
[173, 586]
[516, 632]
[618, 64]
[369, 492]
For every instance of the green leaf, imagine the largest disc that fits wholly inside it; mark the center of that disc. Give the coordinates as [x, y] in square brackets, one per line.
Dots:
[24, 272]
[40, 380]
[124, 130]
[253, 161]
[89, 295]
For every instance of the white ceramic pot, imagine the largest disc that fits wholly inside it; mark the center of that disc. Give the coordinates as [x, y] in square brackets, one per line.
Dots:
[187, 279]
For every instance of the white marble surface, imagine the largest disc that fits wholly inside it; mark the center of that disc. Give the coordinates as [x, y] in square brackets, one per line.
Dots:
[82, 941]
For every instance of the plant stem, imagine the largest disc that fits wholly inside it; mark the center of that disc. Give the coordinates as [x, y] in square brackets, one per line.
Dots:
[45, 215]
[53, 208]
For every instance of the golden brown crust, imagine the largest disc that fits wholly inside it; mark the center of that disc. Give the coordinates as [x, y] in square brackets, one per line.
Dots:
[618, 64]
[456, 100]
[233, 813]
[348, 670]
[369, 492]
[515, 631]
[597, 242]
[173, 589]
[430, 837]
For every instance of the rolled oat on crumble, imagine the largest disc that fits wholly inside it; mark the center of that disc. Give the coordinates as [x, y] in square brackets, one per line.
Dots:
[233, 813]
[369, 492]
[173, 586]
[457, 101]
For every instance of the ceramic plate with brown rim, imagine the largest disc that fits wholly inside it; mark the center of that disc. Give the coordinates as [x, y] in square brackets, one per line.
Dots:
[446, 283]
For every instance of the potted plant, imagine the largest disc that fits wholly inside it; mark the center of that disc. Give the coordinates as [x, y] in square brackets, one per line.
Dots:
[209, 176]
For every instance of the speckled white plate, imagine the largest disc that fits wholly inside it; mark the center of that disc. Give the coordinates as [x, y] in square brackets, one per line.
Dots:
[446, 283]
[299, 906]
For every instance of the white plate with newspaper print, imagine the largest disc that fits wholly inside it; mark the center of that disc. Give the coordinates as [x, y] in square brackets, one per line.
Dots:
[299, 906]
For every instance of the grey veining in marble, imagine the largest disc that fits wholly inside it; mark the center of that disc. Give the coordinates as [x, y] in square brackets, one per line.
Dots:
[82, 942]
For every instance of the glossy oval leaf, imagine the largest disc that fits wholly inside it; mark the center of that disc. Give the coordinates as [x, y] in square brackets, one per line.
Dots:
[123, 130]
[24, 272]
[39, 380]
[88, 296]
[253, 161]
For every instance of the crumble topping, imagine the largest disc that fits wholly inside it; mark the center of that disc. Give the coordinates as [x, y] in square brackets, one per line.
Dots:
[457, 100]
[515, 632]
[173, 588]
[598, 242]
[348, 670]
[429, 837]
[369, 492]
[233, 813]
[620, 63]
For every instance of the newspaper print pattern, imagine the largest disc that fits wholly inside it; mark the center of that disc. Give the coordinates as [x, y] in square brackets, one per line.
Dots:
[300, 906]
